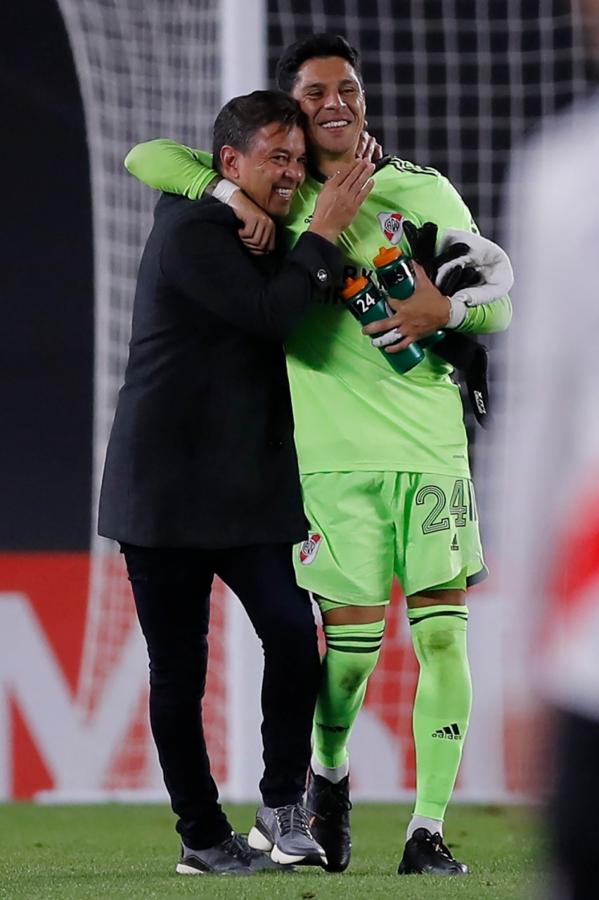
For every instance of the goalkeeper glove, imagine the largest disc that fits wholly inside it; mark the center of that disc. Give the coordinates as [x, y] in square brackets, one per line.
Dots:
[489, 261]
[469, 269]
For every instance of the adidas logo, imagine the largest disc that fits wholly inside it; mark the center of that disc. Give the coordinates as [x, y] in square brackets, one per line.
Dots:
[448, 733]
[454, 544]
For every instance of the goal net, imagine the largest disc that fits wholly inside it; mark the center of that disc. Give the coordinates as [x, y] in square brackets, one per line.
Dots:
[450, 83]
[146, 69]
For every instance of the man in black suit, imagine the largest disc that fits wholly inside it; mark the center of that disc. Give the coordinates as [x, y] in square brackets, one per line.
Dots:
[201, 475]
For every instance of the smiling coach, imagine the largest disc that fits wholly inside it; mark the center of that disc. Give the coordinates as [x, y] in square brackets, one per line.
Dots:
[201, 475]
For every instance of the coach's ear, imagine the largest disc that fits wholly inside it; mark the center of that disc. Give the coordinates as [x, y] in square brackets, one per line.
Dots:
[229, 161]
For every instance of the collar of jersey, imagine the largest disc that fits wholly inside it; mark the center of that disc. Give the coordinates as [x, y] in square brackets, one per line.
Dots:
[379, 164]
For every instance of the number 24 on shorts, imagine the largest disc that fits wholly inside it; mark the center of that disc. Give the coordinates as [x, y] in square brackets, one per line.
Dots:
[462, 506]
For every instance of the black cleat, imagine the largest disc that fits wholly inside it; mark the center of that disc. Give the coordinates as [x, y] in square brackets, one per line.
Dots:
[233, 856]
[329, 806]
[426, 854]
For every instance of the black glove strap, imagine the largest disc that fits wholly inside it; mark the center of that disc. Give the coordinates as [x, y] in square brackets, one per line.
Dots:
[471, 359]
[463, 353]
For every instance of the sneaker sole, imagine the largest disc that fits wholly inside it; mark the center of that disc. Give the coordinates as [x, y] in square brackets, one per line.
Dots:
[183, 869]
[259, 841]
[285, 859]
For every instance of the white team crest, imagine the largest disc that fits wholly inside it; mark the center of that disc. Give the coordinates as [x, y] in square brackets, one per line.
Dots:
[392, 225]
[308, 549]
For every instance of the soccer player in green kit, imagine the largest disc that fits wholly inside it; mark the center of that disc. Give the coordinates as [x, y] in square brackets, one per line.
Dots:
[383, 457]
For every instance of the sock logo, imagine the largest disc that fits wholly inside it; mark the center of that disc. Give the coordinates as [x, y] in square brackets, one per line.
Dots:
[448, 732]
[309, 548]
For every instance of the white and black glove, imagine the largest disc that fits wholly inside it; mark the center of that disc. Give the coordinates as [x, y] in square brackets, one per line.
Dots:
[491, 264]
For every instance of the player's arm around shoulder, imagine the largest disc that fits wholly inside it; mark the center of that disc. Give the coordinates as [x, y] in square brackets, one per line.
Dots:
[171, 167]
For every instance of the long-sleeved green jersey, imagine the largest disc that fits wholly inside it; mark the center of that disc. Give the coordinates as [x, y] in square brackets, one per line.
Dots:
[352, 410]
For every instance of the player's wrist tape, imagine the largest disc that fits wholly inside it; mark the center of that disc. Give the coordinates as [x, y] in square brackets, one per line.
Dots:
[224, 190]
[457, 312]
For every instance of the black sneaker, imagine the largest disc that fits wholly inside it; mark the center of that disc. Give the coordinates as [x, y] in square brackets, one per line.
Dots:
[284, 832]
[233, 856]
[329, 805]
[426, 854]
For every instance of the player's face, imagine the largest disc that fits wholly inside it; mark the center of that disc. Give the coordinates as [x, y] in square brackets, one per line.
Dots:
[331, 96]
[272, 168]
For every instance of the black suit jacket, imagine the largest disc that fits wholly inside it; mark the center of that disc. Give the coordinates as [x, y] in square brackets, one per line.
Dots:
[201, 451]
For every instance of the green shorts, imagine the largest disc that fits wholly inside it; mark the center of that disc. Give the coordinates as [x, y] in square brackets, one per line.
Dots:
[366, 527]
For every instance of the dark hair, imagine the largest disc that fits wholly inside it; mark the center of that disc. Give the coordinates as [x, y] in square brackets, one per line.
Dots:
[240, 119]
[311, 47]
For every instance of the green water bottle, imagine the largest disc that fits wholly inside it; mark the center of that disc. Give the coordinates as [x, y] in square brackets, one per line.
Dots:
[367, 304]
[396, 277]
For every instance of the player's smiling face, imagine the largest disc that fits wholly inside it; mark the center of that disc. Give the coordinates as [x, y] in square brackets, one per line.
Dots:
[271, 169]
[331, 96]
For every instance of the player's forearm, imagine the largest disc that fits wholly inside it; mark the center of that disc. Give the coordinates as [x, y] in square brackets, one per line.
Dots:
[171, 167]
[488, 318]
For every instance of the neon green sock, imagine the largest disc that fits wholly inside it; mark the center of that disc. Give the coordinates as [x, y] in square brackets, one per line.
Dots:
[442, 704]
[352, 653]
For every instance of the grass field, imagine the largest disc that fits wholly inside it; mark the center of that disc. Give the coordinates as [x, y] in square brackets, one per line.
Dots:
[131, 851]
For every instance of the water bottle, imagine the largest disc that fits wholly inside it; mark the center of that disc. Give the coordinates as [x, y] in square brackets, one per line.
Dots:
[367, 304]
[396, 277]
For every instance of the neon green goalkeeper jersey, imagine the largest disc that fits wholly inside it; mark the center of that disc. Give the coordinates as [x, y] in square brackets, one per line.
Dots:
[352, 410]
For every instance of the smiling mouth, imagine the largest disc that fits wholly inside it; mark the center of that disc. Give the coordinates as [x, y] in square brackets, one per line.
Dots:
[285, 193]
[336, 123]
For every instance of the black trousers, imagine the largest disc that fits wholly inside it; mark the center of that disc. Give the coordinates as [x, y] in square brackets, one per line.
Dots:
[172, 596]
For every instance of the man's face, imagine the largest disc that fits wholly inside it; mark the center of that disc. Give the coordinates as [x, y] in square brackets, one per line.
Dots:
[331, 96]
[271, 169]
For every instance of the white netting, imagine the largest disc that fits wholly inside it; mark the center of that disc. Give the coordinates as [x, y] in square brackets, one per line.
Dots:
[451, 83]
[146, 69]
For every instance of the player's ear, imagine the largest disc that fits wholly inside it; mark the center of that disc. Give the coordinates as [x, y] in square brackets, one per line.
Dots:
[229, 161]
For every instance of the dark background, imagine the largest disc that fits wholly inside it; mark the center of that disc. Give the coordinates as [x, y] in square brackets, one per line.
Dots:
[46, 338]
[453, 93]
